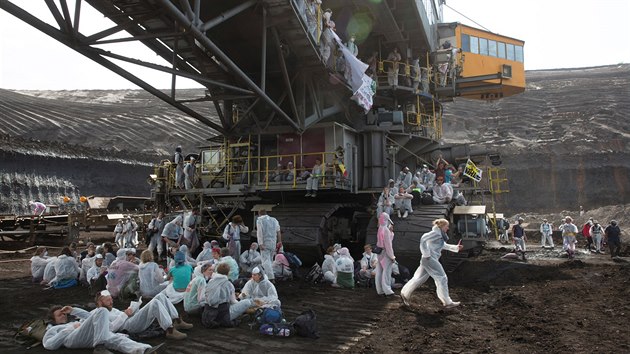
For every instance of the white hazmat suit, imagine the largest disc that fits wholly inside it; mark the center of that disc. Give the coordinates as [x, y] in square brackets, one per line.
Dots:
[431, 245]
[267, 231]
[386, 258]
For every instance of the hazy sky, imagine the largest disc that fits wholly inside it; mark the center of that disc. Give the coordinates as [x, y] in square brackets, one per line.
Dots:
[557, 34]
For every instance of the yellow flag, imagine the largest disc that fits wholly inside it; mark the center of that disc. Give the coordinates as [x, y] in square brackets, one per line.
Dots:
[472, 171]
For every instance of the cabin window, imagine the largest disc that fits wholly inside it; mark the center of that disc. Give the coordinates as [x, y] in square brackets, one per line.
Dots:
[483, 46]
[518, 53]
[501, 50]
[474, 45]
[492, 48]
[465, 43]
[510, 51]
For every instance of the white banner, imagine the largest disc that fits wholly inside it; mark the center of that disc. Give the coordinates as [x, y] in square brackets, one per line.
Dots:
[473, 171]
[363, 96]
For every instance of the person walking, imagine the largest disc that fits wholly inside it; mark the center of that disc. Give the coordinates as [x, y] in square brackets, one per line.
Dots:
[613, 239]
[431, 245]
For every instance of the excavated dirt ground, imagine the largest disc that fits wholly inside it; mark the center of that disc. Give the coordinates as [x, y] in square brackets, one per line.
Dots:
[547, 304]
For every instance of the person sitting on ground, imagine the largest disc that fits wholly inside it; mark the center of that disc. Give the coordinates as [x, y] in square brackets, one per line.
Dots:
[226, 258]
[120, 273]
[66, 269]
[404, 178]
[90, 332]
[151, 276]
[403, 202]
[90, 249]
[38, 264]
[250, 258]
[220, 290]
[87, 261]
[190, 260]
[260, 290]
[385, 202]
[206, 253]
[282, 268]
[345, 269]
[312, 182]
[97, 275]
[368, 264]
[196, 291]
[179, 276]
[109, 256]
[329, 267]
[49, 271]
[137, 320]
[442, 192]
[426, 178]
[131, 256]
[232, 234]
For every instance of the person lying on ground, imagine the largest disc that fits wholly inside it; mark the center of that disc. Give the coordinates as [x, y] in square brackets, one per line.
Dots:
[91, 331]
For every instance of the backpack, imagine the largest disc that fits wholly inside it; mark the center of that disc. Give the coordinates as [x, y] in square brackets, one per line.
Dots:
[268, 315]
[315, 275]
[214, 317]
[294, 261]
[277, 329]
[31, 332]
[305, 324]
[427, 198]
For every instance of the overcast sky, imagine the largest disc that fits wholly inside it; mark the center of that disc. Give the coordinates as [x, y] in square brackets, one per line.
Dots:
[557, 34]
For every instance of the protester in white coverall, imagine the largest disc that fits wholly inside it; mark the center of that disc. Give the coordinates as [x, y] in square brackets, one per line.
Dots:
[329, 266]
[66, 267]
[151, 276]
[133, 320]
[119, 236]
[268, 234]
[232, 234]
[431, 245]
[195, 295]
[386, 258]
[38, 264]
[250, 258]
[569, 230]
[220, 290]
[178, 159]
[154, 232]
[38, 207]
[91, 332]
[260, 290]
[172, 231]
[130, 229]
[546, 229]
[597, 231]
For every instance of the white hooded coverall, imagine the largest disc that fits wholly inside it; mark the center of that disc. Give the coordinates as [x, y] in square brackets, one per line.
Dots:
[267, 229]
[386, 258]
[431, 245]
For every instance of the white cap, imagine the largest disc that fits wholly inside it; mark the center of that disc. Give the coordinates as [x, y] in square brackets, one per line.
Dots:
[256, 270]
[105, 293]
[99, 256]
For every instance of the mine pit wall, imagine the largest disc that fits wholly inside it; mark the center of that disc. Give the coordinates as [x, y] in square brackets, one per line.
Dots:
[27, 177]
[542, 182]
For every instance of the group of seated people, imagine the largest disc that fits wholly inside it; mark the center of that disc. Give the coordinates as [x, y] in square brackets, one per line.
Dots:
[399, 195]
[212, 278]
[340, 270]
